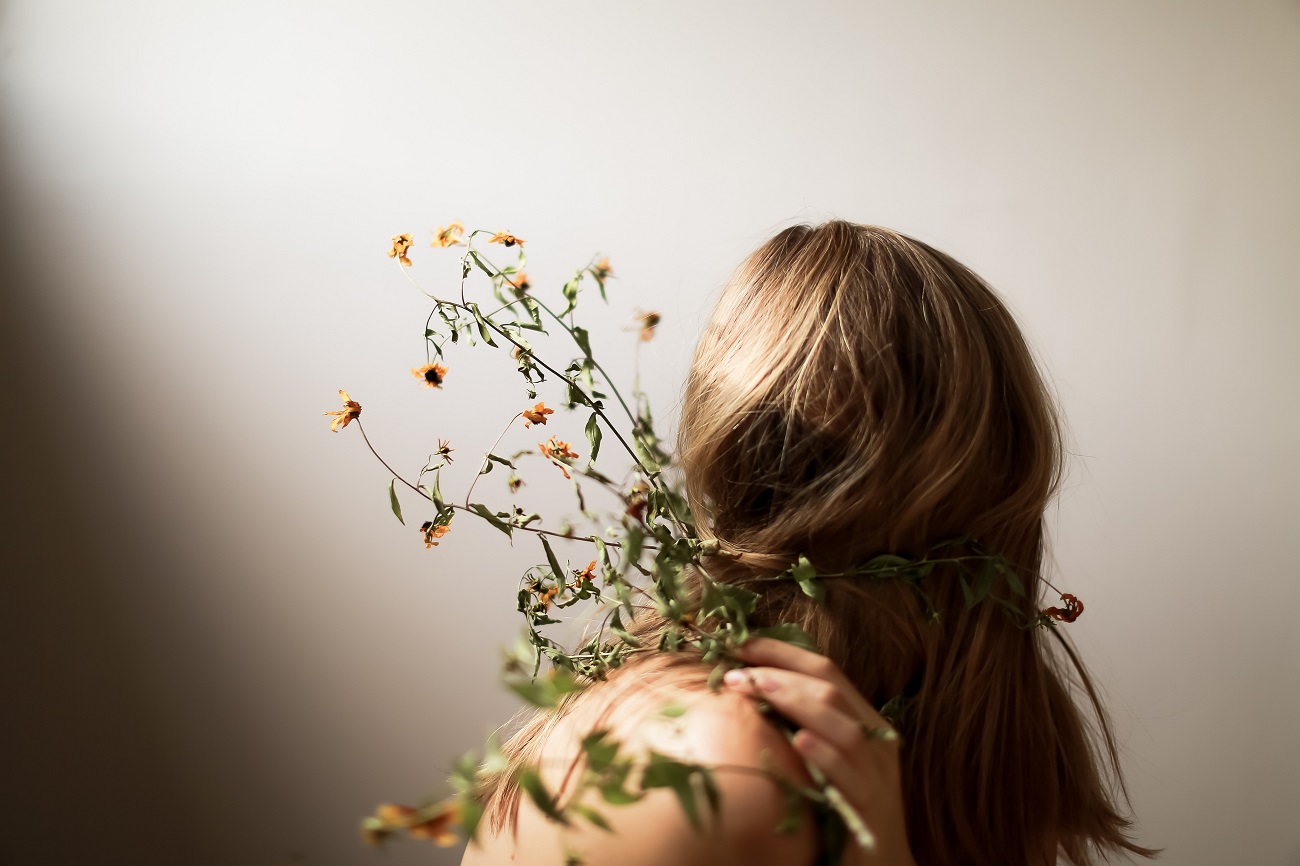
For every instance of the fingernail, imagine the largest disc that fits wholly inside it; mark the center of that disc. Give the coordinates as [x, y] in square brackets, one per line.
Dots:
[734, 678]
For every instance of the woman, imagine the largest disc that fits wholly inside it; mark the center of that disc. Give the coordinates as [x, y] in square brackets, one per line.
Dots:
[855, 392]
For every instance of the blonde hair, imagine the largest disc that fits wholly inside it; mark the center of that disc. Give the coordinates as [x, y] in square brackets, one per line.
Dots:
[855, 392]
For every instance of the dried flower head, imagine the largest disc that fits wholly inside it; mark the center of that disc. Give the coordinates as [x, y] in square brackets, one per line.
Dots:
[401, 243]
[444, 450]
[432, 530]
[649, 321]
[536, 415]
[431, 374]
[342, 417]
[449, 236]
[1073, 607]
[505, 238]
[514, 482]
[637, 501]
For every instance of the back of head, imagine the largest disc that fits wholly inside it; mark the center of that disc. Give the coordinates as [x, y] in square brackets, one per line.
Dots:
[858, 392]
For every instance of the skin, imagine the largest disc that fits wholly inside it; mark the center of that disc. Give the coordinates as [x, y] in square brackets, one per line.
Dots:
[727, 730]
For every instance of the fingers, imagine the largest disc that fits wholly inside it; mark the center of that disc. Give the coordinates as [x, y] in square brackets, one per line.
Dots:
[779, 654]
[830, 736]
[809, 702]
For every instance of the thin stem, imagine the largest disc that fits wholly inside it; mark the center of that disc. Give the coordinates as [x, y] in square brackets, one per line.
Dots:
[537, 530]
[491, 450]
[568, 328]
[599, 412]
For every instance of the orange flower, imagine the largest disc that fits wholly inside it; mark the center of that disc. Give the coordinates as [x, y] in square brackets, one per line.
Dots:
[536, 415]
[601, 269]
[648, 323]
[432, 530]
[505, 238]
[432, 374]
[401, 243]
[1073, 607]
[449, 236]
[342, 417]
[394, 815]
[587, 573]
[546, 596]
[437, 828]
[433, 823]
[520, 284]
[554, 450]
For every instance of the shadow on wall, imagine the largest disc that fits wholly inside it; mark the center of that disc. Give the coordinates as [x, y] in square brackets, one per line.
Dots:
[84, 775]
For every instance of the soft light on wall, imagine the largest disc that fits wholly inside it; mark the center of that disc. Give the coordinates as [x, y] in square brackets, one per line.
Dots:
[222, 648]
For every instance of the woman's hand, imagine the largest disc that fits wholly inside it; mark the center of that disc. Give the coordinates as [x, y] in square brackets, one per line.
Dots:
[840, 734]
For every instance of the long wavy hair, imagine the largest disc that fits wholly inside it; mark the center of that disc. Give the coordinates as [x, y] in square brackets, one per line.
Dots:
[857, 391]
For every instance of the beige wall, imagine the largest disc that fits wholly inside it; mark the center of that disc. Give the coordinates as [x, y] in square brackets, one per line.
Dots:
[219, 645]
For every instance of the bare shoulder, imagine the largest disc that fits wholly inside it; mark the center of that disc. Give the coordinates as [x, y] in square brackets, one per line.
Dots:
[723, 731]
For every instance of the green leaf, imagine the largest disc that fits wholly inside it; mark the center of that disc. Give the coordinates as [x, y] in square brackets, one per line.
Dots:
[550, 558]
[664, 772]
[471, 812]
[790, 633]
[481, 511]
[594, 434]
[1013, 580]
[647, 458]
[591, 815]
[583, 340]
[484, 268]
[804, 572]
[966, 592]
[483, 325]
[673, 711]
[885, 562]
[616, 626]
[600, 750]
[570, 292]
[613, 786]
[392, 500]
[532, 785]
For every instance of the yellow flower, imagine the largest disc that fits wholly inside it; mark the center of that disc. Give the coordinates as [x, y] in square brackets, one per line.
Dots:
[649, 321]
[505, 238]
[601, 269]
[431, 374]
[342, 417]
[449, 236]
[433, 530]
[536, 415]
[401, 243]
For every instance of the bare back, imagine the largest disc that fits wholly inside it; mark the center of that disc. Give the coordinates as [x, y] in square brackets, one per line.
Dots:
[723, 730]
